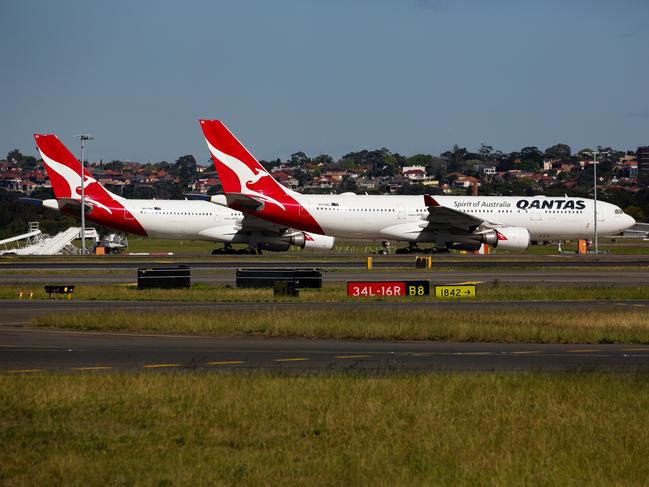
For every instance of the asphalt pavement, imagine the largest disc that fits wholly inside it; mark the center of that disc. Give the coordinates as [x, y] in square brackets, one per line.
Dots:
[25, 349]
[30, 351]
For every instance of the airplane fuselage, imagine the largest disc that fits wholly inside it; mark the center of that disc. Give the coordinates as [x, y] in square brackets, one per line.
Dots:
[170, 219]
[405, 217]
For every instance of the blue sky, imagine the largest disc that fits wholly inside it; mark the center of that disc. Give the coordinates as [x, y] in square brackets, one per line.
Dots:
[324, 76]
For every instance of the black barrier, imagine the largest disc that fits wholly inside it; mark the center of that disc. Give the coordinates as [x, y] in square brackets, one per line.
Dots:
[59, 290]
[266, 278]
[286, 288]
[164, 277]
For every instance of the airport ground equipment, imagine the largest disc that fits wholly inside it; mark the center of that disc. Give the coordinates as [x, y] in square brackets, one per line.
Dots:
[164, 277]
[112, 243]
[58, 289]
[36, 243]
[266, 278]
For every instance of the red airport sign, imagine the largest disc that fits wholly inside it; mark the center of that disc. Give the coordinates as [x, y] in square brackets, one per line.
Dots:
[390, 289]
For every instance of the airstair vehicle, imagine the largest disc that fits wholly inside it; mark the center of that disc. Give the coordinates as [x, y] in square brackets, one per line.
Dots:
[35, 242]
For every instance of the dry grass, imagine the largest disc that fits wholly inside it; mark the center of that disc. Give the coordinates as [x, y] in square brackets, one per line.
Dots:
[512, 324]
[330, 293]
[213, 429]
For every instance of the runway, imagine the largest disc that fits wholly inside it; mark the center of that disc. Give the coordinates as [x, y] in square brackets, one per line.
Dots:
[327, 261]
[30, 350]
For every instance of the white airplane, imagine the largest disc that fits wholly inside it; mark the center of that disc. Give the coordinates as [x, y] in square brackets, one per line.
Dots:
[450, 222]
[168, 219]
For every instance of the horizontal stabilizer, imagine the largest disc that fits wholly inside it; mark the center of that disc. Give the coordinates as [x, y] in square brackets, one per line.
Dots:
[49, 203]
[243, 201]
[197, 196]
[72, 204]
[31, 201]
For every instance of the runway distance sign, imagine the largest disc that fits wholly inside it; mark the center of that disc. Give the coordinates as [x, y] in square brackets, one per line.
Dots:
[397, 289]
[455, 292]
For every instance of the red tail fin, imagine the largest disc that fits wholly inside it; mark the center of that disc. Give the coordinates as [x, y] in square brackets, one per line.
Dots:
[64, 171]
[238, 170]
[241, 173]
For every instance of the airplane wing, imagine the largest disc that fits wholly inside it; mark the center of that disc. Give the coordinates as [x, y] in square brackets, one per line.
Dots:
[442, 216]
[253, 224]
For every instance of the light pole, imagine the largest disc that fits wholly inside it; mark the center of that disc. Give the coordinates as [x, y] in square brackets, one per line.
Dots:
[595, 154]
[83, 137]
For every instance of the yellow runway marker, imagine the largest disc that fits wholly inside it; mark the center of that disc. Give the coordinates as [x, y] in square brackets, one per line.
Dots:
[465, 283]
[639, 305]
[297, 359]
[226, 362]
[25, 371]
[635, 349]
[583, 350]
[156, 366]
[99, 367]
[352, 356]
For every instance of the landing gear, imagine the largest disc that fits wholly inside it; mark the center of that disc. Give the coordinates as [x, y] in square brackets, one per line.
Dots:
[385, 248]
[227, 249]
[410, 249]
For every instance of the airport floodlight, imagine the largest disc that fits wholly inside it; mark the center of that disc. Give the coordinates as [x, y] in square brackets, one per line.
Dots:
[82, 138]
[595, 162]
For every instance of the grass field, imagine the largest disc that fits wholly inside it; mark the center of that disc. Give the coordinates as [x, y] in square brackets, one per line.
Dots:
[330, 293]
[215, 429]
[511, 324]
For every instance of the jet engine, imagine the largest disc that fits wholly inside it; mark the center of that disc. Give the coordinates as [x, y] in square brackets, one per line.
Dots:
[513, 238]
[508, 238]
[273, 245]
[313, 241]
[299, 239]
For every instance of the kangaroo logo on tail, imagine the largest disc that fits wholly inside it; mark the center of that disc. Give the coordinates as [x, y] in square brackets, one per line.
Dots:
[241, 173]
[72, 178]
[247, 177]
[64, 172]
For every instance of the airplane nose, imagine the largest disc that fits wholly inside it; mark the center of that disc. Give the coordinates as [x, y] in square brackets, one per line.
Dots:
[629, 221]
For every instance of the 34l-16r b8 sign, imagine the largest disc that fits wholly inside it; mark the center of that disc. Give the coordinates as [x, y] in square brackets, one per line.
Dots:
[397, 289]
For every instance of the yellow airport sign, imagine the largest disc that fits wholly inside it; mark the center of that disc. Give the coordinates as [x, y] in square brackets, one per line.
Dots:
[455, 292]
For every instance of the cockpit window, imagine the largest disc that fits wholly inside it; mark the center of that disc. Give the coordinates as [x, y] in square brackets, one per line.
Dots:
[618, 211]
